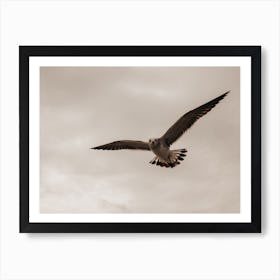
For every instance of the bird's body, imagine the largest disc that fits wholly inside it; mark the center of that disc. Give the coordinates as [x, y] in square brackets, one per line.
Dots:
[161, 146]
[165, 156]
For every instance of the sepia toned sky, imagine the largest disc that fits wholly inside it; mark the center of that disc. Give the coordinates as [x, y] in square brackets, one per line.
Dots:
[82, 107]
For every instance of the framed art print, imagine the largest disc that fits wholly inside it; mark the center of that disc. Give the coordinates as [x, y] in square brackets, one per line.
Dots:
[140, 138]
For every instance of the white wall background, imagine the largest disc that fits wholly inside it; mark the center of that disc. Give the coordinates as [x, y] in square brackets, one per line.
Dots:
[146, 256]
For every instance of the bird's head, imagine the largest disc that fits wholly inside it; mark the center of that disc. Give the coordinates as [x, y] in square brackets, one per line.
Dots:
[153, 141]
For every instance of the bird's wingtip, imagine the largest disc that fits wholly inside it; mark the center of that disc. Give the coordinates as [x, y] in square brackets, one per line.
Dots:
[224, 95]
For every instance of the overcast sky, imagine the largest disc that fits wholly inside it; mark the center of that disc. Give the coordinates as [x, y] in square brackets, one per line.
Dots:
[83, 107]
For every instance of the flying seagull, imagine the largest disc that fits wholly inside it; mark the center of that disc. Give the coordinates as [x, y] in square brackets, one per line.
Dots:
[161, 146]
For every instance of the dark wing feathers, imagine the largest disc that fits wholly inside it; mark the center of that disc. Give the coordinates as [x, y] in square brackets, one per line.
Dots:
[124, 144]
[187, 120]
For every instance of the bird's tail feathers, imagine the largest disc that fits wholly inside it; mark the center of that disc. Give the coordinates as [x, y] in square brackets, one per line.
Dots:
[175, 158]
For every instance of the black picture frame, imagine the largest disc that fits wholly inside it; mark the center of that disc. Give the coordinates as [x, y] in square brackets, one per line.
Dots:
[25, 52]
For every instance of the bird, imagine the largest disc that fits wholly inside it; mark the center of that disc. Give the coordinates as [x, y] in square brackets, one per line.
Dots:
[164, 156]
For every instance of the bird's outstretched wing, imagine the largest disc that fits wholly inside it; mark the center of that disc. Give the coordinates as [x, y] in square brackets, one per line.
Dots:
[124, 144]
[187, 120]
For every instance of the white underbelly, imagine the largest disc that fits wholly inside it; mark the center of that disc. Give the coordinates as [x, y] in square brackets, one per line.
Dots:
[162, 152]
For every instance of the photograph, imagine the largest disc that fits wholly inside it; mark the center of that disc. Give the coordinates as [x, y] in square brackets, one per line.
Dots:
[139, 140]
